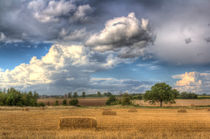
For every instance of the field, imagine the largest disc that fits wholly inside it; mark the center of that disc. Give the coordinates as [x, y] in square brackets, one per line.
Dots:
[145, 123]
[82, 101]
[102, 101]
[179, 102]
[148, 122]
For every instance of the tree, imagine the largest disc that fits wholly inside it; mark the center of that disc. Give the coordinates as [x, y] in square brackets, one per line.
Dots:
[99, 93]
[83, 94]
[64, 102]
[161, 92]
[176, 92]
[56, 103]
[75, 95]
[108, 94]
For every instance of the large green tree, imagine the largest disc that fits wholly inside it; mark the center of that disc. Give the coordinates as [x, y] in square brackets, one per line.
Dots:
[161, 92]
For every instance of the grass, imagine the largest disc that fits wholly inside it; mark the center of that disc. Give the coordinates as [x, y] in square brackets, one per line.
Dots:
[145, 123]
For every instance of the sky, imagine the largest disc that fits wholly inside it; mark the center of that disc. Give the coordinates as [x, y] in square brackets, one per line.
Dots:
[60, 46]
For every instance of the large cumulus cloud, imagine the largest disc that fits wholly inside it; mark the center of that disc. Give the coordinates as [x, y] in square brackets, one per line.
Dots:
[193, 82]
[125, 34]
[64, 68]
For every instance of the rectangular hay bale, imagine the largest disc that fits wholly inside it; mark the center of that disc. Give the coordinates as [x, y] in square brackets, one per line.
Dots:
[182, 111]
[77, 122]
[132, 110]
[109, 112]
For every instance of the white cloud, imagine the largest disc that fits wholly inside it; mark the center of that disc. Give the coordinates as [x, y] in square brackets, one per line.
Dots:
[193, 81]
[62, 68]
[2, 36]
[127, 33]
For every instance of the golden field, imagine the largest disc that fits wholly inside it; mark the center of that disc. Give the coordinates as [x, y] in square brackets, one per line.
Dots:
[101, 102]
[179, 102]
[145, 123]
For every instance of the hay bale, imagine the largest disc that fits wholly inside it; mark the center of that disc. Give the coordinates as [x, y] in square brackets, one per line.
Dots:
[25, 109]
[182, 111]
[132, 110]
[77, 122]
[109, 112]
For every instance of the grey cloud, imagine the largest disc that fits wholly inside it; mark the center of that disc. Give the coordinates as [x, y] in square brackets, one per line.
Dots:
[54, 11]
[207, 39]
[42, 20]
[188, 40]
[120, 85]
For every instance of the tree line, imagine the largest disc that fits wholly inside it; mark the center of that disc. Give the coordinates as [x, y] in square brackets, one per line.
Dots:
[13, 97]
[159, 93]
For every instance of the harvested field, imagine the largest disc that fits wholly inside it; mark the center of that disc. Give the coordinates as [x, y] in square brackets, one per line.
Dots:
[82, 101]
[102, 101]
[179, 102]
[145, 123]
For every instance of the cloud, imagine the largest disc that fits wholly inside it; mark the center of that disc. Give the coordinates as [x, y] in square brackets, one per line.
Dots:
[77, 35]
[207, 39]
[193, 82]
[127, 33]
[42, 20]
[172, 49]
[2, 37]
[188, 40]
[82, 12]
[120, 85]
[62, 69]
[53, 11]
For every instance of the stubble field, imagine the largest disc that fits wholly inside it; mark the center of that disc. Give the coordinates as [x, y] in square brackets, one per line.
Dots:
[145, 123]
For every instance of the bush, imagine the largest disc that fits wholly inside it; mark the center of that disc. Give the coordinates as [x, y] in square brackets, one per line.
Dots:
[126, 100]
[112, 100]
[56, 103]
[138, 97]
[74, 102]
[186, 95]
[64, 102]
[41, 104]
